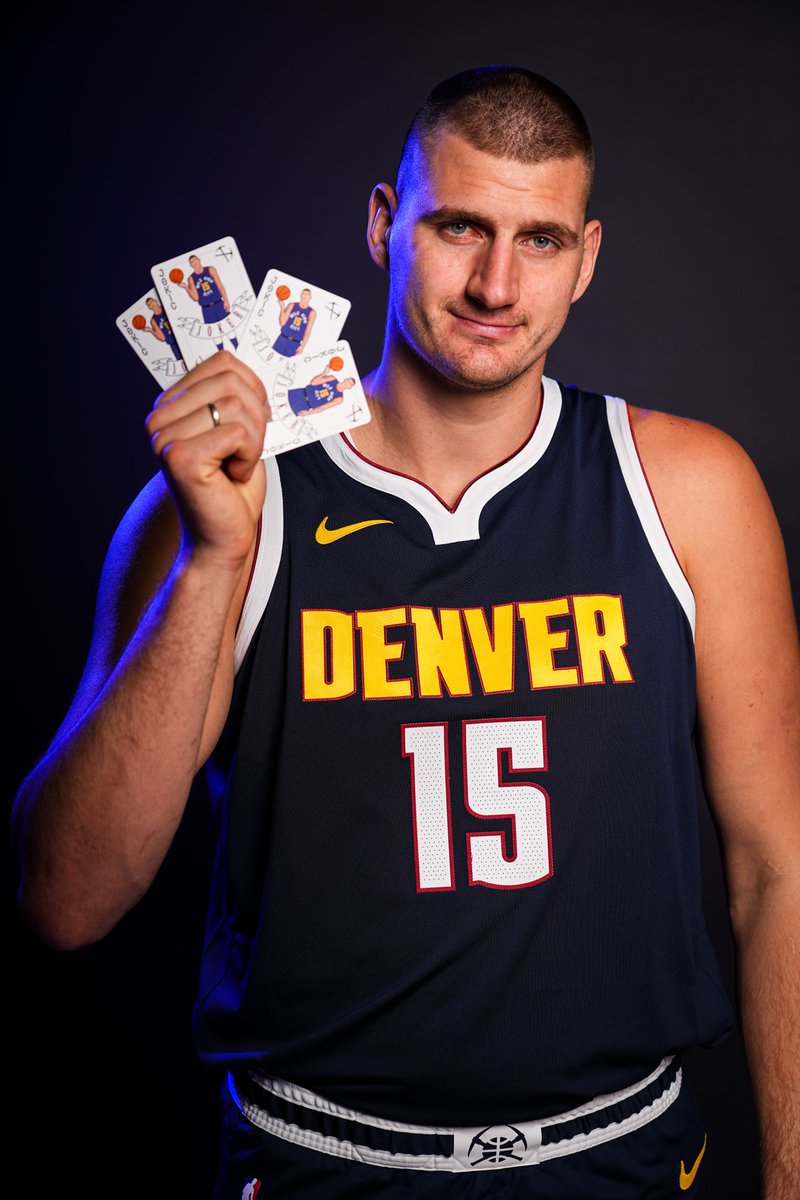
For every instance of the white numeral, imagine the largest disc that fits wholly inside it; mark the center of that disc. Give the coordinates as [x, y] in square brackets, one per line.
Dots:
[491, 860]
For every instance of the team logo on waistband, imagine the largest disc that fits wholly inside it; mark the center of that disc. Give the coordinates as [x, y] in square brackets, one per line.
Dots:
[496, 1145]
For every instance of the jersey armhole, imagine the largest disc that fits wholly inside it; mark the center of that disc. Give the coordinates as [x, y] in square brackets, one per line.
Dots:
[633, 473]
[265, 564]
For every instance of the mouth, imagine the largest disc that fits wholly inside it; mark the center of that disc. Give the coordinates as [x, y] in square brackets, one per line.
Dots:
[495, 329]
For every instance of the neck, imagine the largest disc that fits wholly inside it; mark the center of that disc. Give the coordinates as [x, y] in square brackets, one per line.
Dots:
[440, 434]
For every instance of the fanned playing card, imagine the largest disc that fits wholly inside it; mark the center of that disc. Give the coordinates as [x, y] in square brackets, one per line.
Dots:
[314, 398]
[208, 298]
[147, 330]
[291, 318]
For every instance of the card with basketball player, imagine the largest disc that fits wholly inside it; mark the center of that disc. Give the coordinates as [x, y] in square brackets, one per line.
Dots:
[314, 397]
[145, 327]
[208, 298]
[291, 319]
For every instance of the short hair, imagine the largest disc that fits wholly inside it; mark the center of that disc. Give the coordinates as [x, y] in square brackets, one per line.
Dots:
[506, 111]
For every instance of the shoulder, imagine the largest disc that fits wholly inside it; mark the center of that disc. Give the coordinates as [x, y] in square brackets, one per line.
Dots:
[707, 489]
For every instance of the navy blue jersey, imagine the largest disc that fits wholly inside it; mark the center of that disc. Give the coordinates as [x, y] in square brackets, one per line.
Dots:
[314, 395]
[207, 290]
[294, 326]
[458, 871]
[169, 337]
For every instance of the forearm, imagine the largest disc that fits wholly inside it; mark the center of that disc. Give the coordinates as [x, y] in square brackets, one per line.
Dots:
[96, 818]
[768, 936]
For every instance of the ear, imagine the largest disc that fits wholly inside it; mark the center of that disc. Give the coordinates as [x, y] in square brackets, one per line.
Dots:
[382, 211]
[591, 245]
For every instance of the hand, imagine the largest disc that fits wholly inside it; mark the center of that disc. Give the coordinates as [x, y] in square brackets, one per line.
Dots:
[214, 471]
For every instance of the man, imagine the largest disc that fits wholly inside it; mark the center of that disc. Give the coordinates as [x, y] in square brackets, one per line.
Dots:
[160, 327]
[296, 320]
[205, 287]
[458, 931]
[323, 391]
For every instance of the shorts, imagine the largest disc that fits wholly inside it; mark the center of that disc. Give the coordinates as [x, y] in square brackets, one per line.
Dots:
[668, 1157]
[216, 311]
[286, 346]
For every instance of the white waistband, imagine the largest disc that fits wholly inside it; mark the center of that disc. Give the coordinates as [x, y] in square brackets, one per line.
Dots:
[480, 1147]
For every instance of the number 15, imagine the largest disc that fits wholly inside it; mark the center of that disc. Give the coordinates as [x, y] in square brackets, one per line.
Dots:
[529, 860]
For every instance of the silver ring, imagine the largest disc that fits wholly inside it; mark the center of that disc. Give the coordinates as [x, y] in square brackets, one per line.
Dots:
[215, 417]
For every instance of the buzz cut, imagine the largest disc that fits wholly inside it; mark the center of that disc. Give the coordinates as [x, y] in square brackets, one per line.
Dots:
[505, 111]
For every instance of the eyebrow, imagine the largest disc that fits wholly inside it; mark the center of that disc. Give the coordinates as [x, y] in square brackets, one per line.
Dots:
[554, 229]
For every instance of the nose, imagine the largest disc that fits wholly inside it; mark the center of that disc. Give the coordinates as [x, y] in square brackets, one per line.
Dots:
[494, 282]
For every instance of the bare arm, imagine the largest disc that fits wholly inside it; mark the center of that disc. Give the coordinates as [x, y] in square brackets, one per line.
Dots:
[309, 326]
[748, 677]
[95, 818]
[215, 276]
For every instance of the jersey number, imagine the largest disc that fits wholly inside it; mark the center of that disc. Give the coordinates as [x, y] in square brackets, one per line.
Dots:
[529, 857]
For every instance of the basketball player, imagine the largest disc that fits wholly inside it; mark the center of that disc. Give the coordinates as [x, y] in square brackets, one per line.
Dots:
[297, 321]
[204, 286]
[160, 327]
[323, 391]
[450, 671]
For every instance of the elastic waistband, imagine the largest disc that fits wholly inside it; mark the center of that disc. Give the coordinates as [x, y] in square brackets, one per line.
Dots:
[298, 1115]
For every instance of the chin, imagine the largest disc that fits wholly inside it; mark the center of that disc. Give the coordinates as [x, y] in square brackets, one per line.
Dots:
[479, 376]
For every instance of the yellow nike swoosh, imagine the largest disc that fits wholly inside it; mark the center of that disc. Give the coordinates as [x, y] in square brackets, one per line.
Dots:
[325, 536]
[686, 1178]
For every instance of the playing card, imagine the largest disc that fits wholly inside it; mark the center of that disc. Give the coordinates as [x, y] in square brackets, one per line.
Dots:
[291, 319]
[146, 328]
[207, 297]
[312, 398]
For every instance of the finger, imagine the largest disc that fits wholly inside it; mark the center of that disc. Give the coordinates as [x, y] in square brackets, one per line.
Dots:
[219, 389]
[199, 421]
[200, 458]
[217, 364]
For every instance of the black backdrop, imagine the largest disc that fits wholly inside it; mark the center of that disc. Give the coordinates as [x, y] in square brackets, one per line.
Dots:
[135, 134]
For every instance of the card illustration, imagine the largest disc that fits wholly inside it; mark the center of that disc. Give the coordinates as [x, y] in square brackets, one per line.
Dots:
[314, 398]
[292, 318]
[207, 296]
[147, 330]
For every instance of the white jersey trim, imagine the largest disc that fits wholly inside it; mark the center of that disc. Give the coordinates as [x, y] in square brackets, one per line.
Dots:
[344, 1148]
[639, 490]
[446, 526]
[265, 567]
[462, 523]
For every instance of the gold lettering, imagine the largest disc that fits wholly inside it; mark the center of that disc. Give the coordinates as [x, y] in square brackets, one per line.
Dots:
[600, 629]
[441, 657]
[328, 660]
[541, 643]
[494, 652]
[377, 653]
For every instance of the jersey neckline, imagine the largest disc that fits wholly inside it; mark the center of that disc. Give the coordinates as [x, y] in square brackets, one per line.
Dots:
[460, 523]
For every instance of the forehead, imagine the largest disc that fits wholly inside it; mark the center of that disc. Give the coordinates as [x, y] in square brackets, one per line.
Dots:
[451, 173]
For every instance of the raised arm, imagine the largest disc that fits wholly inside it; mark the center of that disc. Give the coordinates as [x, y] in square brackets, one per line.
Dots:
[748, 678]
[93, 821]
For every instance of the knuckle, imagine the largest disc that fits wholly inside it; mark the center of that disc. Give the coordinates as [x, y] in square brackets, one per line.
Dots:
[230, 380]
[173, 455]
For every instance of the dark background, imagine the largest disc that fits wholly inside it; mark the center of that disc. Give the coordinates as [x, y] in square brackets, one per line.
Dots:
[137, 134]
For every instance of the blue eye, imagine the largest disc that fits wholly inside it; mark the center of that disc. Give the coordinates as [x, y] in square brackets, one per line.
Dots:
[541, 241]
[458, 227]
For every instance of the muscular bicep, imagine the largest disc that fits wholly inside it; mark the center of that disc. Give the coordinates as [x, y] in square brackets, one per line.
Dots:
[139, 559]
[141, 556]
[720, 519]
[748, 676]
